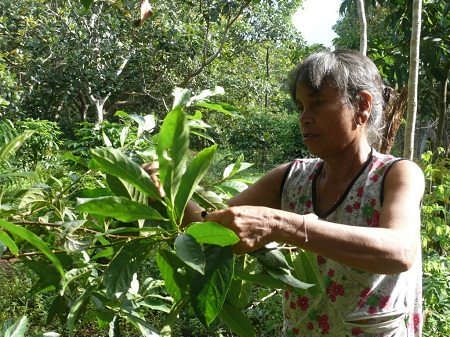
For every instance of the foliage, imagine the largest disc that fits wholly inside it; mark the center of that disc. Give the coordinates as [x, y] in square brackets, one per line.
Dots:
[435, 241]
[88, 252]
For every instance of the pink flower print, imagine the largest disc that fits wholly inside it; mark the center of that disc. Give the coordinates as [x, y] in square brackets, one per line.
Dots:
[417, 319]
[356, 205]
[292, 205]
[295, 331]
[360, 192]
[331, 272]
[302, 302]
[384, 302]
[372, 310]
[308, 203]
[320, 259]
[322, 322]
[357, 331]
[310, 326]
[348, 209]
[375, 178]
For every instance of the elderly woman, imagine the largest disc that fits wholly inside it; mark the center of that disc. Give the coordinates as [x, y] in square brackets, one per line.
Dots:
[357, 209]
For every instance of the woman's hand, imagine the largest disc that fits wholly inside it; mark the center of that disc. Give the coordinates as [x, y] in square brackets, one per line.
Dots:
[253, 225]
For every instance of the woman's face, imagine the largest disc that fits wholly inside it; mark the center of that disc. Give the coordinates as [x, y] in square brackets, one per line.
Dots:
[327, 123]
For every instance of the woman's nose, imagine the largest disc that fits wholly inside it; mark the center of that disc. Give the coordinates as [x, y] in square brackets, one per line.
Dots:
[304, 117]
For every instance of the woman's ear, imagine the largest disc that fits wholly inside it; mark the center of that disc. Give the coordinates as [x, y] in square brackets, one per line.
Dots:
[364, 107]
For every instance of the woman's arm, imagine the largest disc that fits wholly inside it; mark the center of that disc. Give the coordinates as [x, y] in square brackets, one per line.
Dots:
[389, 249]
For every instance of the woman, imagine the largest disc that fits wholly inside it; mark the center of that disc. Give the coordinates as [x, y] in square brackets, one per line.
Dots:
[358, 210]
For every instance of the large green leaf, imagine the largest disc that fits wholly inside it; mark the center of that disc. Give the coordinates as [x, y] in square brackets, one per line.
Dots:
[120, 208]
[116, 163]
[172, 150]
[212, 233]
[240, 290]
[8, 242]
[10, 147]
[35, 241]
[15, 329]
[193, 175]
[119, 273]
[305, 267]
[237, 321]
[190, 252]
[208, 291]
[169, 265]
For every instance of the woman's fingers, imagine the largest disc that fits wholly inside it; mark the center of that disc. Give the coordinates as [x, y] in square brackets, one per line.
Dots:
[152, 169]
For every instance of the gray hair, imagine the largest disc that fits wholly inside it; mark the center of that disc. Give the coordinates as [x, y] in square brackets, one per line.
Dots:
[351, 72]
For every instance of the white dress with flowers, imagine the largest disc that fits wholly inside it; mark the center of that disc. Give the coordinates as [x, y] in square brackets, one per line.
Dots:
[355, 303]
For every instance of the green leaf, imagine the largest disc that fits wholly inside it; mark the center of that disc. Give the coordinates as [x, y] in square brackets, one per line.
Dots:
[119, 208]
[190, 252]
[15, 329]
[10, 147]
[217, 90]
[240, 290]
[238, 166]
[285, 276]
[104, 318]
[35, 241]
[212, 233]
[208, 292]
[146, 329]
[221, 107]
[59, 307]
[237, 321]
[271, 258]
[119, 273]
[260, 279]
[116, 163]
[193, 175]
[305, 267]
[181, 97]
[86, 4]
[76, 308]
[172, 317]
[172, 150]
[8, 242]
[169, 265]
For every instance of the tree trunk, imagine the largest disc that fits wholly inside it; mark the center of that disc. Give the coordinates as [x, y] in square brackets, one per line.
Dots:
[442, 110]
[362, 27]
[413, 80]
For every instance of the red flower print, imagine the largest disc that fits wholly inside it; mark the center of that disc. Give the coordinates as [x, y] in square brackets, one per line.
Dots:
[287, 293]
[372, 310]
[295, 331]
[356, 205]
[357, 331]
[348, 209]
[360, 192]
[361, 303]
[310, 326]
[375, 178]
[302, 302]
[320, 259]
[308, 203]
[374, 221]
[331, 272]
[322, 322]
[366, 293]
[292, 305]
[384, 302]
[292, 205]
[299, 189]
[334, 290]
[373, 201]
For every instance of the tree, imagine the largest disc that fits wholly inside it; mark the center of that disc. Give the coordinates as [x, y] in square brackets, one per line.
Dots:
[413, 81]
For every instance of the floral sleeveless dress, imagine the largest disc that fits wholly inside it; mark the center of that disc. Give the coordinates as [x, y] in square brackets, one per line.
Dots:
[355, 303]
